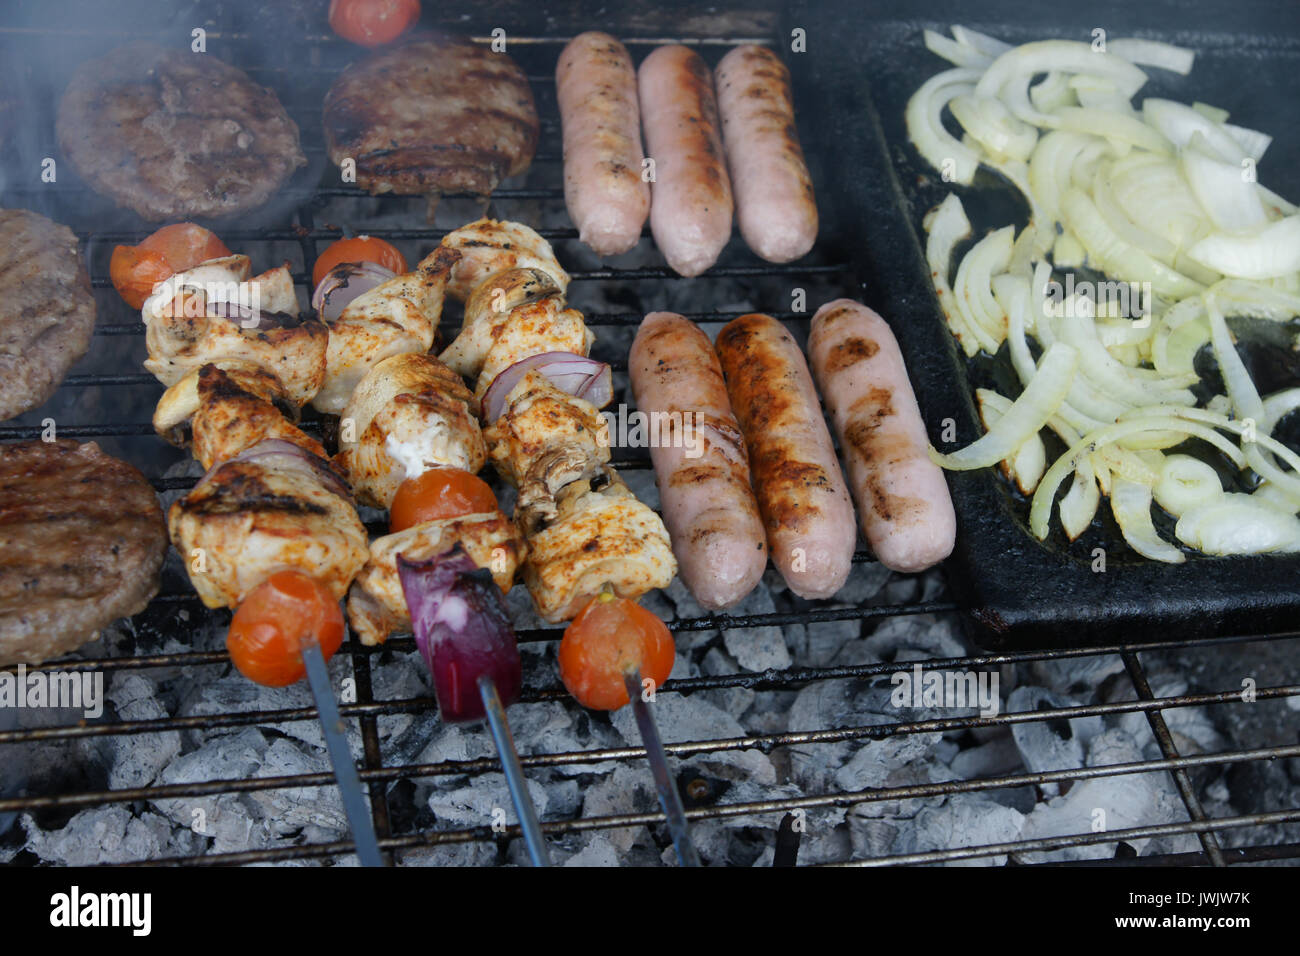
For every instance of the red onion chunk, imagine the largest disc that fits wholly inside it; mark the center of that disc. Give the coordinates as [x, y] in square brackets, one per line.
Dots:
[581, 377]
[462, 631]
[345, 283]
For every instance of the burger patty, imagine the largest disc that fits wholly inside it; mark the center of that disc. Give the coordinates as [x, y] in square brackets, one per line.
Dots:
[434, 115]
[82, 541]
[175, 135]
[47, 312]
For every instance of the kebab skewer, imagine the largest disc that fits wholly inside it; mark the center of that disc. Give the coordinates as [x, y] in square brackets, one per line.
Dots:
[593, 548]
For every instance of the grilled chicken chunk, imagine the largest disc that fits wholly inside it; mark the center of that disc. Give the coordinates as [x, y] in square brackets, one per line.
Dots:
[528, 330]
[601, 535]
[409, 414]
[488, 246]
[435, 114]
[199, 319]
[377, 604]
[274, 507]
[487, 309]
[399, 316]
[223, 408]
[543, 425]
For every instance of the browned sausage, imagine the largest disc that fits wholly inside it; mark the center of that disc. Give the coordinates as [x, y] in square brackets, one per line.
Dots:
[801, 491]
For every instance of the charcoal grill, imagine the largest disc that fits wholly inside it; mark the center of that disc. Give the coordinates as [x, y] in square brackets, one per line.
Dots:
[300, 75]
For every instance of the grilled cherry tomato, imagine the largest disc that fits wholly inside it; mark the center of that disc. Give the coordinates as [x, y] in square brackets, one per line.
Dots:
[439, 493]
[358, 249]
[270, 628]
[372, 22]
[135, 270]
[610, 637]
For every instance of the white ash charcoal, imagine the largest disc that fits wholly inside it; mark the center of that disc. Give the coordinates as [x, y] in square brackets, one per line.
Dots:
[139, 757]
[398, 679]
[773, 583]
[922, 634]
[523, 614]
[629, 789]
[759, 648]
[917, 773]
[1050, 743]
[825, 639]
[456, 742]
[563, 796]
[734, 700]
[1190, 726]
[692, 718]
[993, 758]
[1076, 675]
[449, 854]
[946, 748]
[767, 713]
[871, 837]
[966, 820]
[711, 842]
[290, 809]
[818, 706]
[225, 818]
[864, 583]
[1110, 803]
[597, 852]
[105, 834]
[543, 727]
[483, 801]
[876, 760]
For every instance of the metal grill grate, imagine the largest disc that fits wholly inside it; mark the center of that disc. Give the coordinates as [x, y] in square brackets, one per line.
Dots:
[538, 54]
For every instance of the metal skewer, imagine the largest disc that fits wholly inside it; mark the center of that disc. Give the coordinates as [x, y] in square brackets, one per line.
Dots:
[514, 771]
[669, 798]
[345, 771]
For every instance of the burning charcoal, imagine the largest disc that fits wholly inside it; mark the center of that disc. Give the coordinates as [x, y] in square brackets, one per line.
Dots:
[287, 811]
[105, 834]
[1115, 802]
[139, 757]
[734, 700]
[692, 718]
[481, 801]
[598, 852]
[965, 820]
[918, 637]
[873, 764]
[759, 648]
[1055, 744]
[997, 756]
[226, 819]
[453, 854]
[629, 789]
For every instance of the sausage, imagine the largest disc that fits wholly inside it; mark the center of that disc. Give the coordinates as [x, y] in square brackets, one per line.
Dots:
[801, 492]
[704, 490]
[902, 495]
[603, 187]
[775, 205]
[690, 197]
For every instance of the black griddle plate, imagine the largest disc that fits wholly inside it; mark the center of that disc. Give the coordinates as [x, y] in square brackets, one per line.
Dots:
[863, 63]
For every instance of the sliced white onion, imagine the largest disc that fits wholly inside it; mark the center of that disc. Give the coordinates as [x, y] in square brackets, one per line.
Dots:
[991, 47]
[1186, 482]
[1252, 141]
[946, 226]
[1238, 524]
[1178, 122]
[958, 54]
[1230, 199]
[581, 377]
[1166, 56]
[1271, 252]
[1130, 502]
[924, 118]
[1026, 416]
[992, 126]
[1011, 72]
[1027, 464]
[972, 290]
[1079, 506]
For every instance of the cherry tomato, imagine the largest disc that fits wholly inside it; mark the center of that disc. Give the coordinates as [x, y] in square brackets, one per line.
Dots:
[358, 249]
[269, 629]
[439, 493]
[184, 245]
[372, 22]
[135, 270]
[610, 637]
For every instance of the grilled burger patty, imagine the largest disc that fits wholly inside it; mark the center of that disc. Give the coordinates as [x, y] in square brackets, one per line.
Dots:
[175, 135]
[434, 115]
[82, 541]
[47, 313]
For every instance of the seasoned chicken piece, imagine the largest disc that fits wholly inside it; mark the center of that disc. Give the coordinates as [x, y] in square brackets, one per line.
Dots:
[376, 603]
[543, 326]
[409, 414]
[274, 507]
[234, 410]
[543, 426]
[174, 414]
[401, 315]
[491, 245]
[602, 535]
[204, 315]
[486, 311]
